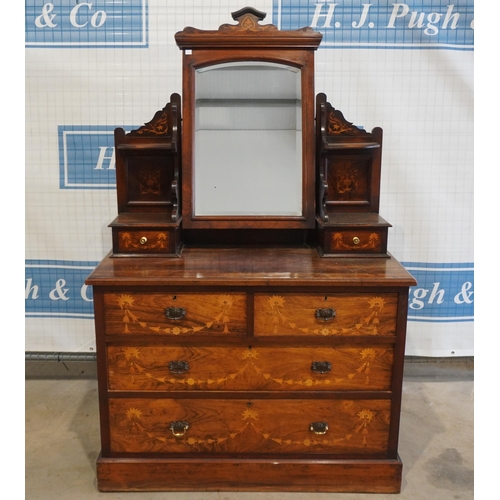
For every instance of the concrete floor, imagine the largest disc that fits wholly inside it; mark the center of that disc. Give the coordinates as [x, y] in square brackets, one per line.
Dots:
[62, 437]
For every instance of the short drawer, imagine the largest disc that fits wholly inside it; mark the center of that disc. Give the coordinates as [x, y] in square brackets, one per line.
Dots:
[244, 426]
[144, 241]
[175, 314]
[160, 368]
[357, 240]
[325, 315]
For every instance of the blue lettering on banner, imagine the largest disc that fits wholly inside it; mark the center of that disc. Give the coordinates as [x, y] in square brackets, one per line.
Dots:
[87, 157]
[56, 289]
[424, 24]
[444, 293]
[98, 23]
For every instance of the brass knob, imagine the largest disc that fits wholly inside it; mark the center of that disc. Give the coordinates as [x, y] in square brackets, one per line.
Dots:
[356, 240]
[179, 428]
[143, 240]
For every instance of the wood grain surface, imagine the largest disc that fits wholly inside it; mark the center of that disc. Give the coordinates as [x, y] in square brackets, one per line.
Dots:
[146, 368]
[229, 267]
[146, 313]
[241, 426]
[355, 314]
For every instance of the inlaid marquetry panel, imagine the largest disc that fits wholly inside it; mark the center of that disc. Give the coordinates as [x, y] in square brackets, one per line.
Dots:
[261, 368]
[143, 241]
[348, 179]
[149, 179]
[357, 240]
[325, 315]
[175, 314]
[258, 426]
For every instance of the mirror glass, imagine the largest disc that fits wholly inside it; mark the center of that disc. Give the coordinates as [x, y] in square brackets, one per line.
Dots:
[248, 140]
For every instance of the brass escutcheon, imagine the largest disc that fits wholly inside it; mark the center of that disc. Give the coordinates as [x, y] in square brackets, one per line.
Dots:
[325, 314]
[321, 366]
[178, 367]
[143, 240]
[175, 312]
[356, 240]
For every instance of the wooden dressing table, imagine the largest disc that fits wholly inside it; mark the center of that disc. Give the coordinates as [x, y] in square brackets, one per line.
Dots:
[250, 323]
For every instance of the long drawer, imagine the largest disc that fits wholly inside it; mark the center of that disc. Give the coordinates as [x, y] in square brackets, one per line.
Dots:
[258, 426]
[181, 314]
[191, 368]
[325, 314]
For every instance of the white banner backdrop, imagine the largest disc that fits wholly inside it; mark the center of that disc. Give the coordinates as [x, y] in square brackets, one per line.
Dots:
[406, 67]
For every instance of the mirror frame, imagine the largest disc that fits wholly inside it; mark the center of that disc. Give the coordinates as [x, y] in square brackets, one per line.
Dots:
[248, 41]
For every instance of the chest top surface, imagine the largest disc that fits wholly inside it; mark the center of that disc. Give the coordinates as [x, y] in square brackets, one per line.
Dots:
[251, 267]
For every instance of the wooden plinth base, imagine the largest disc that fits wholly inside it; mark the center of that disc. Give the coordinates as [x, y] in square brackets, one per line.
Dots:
[354, 476]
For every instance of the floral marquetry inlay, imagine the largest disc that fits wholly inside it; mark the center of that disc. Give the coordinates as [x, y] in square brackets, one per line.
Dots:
[337, 124]
[371, 243]
[253, 425]
[224, 303]
[365, 323]
[136, 367]
[129, 241]
[157, 126]
[150, 181]
[346, 179]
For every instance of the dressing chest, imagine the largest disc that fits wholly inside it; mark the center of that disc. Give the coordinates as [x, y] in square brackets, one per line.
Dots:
[250, 323]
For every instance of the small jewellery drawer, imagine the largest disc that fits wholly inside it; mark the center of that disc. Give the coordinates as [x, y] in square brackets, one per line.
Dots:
[259, 368]
[241, 426]
[325, 315]
[175, 314]
[144, 241]
[357, 240]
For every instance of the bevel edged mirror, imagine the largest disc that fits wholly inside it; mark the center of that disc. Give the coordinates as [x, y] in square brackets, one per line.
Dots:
[248, 140]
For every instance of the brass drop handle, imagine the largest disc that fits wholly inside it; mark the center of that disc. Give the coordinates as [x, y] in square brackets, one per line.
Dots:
[318, 427]
[175, 312]
[325, 314]
[179, 428]
[321, 366]
[177, 367]
[143, 240]
[356, 240]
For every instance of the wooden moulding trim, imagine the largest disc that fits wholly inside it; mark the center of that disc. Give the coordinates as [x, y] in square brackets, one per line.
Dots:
[145, 145]
[240, 474]
[201, 41]
[350, 145]
[248, 33]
